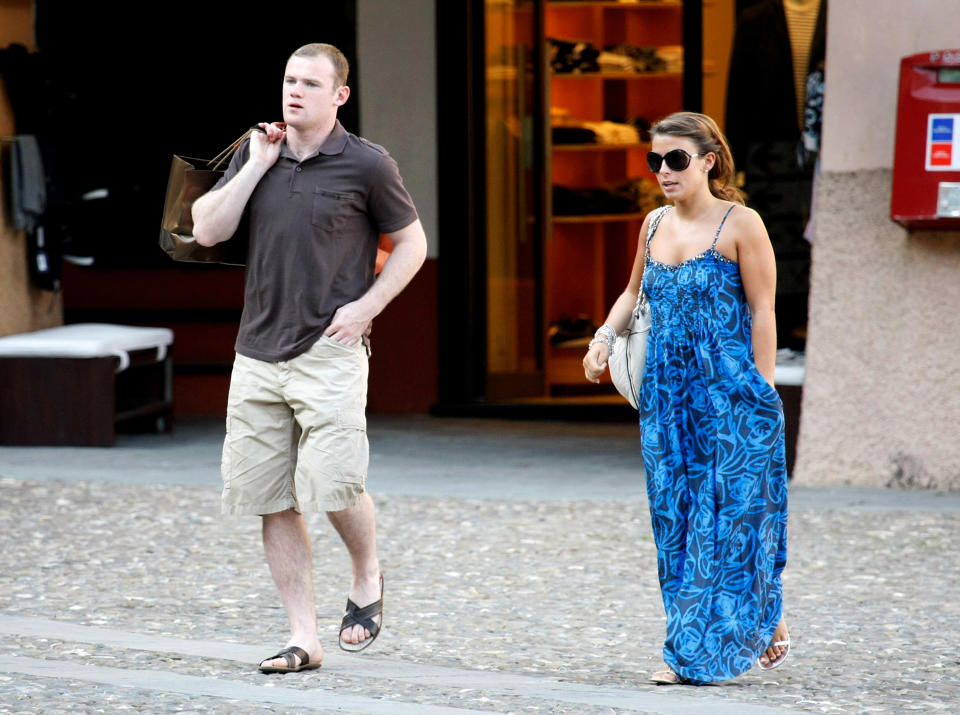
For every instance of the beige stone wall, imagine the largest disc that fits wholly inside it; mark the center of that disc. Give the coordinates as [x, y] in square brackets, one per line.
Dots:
[881, 403]
[388, 30]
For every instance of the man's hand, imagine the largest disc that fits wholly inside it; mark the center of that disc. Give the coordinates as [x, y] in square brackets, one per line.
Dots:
[353, 320]
[216, 214]
[350, 323]
[265, 146]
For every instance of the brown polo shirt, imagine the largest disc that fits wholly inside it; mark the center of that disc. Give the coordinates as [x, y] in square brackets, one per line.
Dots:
[314, 228]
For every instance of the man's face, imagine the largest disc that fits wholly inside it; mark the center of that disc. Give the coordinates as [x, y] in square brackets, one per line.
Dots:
[310, 95]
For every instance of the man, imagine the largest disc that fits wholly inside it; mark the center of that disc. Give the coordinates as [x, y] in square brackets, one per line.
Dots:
[317, 198]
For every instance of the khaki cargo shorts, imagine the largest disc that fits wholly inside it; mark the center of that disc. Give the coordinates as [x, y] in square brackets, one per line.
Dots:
[296, 432]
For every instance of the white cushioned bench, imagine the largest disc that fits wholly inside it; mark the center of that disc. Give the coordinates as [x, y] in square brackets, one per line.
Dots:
[791, 371]
[73, 384]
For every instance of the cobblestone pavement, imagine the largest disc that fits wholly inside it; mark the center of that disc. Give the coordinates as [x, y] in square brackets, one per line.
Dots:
[141, 597]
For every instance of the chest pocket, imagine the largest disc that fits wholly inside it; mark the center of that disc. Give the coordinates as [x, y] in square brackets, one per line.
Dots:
[331, 209]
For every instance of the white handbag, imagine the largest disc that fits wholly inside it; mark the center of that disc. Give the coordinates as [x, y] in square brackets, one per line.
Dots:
[629, 355]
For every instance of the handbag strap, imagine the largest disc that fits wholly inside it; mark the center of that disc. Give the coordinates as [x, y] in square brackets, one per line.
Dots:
[656, 216]
[641, 302]
[227, 153]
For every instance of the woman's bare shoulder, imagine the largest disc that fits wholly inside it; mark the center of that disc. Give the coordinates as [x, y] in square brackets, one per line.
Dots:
[647, 220]
[746, 224]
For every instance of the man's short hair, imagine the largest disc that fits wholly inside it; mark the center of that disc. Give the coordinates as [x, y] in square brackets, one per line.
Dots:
[341, 68]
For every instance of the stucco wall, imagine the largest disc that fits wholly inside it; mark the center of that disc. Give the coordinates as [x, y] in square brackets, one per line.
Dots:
[396, 57]
[882, 393]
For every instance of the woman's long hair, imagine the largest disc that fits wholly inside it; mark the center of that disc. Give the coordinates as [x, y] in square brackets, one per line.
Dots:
[707, 136]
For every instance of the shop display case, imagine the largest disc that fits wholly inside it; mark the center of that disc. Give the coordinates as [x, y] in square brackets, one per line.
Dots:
[571, 89]
[614, 67]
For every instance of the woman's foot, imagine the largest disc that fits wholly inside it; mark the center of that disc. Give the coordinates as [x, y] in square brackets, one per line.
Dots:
[666, 677]
[776, 653]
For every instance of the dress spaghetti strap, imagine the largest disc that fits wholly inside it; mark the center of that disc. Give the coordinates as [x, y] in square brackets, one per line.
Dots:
[654, 222]
[720, 228]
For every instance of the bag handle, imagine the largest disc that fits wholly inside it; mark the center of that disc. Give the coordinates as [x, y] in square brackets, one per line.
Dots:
[216, 161]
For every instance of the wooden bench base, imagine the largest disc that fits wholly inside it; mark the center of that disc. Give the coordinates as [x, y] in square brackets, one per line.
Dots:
[81, 401]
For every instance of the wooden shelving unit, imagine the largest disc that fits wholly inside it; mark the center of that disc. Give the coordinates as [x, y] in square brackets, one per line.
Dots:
[601, 147]
[587, 259]
[617, 75]
[613, 5]
[600, 218]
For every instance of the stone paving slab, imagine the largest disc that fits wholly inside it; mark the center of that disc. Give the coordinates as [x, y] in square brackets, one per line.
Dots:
[63, 696]
[416, 455]
[561, 591]
[409, 456]
[509, 688]
[152, 680]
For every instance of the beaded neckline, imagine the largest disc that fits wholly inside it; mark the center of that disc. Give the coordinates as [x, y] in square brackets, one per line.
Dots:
[674, 266]
[655, 223]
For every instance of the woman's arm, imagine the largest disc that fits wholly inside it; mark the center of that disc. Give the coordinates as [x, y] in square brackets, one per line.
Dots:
[758, 270]
[595, 361]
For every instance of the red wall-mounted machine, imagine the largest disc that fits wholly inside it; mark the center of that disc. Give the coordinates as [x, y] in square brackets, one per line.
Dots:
[926, 163]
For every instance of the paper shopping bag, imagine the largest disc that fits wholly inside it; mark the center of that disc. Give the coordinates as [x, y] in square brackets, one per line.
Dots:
[189, 179]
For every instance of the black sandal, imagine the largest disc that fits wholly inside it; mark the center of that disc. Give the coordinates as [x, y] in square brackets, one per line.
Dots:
[356, 616]
[288, 655]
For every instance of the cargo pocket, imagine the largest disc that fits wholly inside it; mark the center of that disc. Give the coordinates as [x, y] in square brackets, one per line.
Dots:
[226, 458]
[352, 438]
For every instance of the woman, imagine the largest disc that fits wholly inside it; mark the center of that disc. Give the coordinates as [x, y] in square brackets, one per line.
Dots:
[710, 418]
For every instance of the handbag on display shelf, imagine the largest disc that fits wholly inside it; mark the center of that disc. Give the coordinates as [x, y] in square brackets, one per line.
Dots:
[629, 356]
[189, 179]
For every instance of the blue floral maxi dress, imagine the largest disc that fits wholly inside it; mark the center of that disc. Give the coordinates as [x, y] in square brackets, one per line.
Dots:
[713, 450]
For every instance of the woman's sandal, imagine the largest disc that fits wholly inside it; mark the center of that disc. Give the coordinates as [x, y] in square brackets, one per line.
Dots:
[785, 645]
[356, 616]
[667, 677]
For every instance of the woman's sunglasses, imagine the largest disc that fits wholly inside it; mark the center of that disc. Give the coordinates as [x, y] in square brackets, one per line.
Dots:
[675, 159]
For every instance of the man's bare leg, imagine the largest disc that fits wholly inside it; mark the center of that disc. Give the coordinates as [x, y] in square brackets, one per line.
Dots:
[286, 543]
[357, 527]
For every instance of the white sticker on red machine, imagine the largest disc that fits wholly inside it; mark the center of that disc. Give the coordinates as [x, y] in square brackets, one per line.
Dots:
[943, 142]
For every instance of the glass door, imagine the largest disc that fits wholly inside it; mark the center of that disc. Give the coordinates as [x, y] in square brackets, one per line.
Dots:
[514, 199]
[516, 271]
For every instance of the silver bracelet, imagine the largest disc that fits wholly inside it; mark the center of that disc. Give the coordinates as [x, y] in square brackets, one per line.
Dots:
[605, 334]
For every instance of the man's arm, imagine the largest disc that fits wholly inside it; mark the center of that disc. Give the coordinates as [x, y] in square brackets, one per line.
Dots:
[217, 214]
[409, 251]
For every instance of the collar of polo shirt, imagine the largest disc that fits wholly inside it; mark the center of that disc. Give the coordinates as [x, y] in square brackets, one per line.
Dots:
[334, 144]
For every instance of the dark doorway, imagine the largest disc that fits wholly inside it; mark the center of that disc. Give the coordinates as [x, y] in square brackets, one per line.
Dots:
[151, 80]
